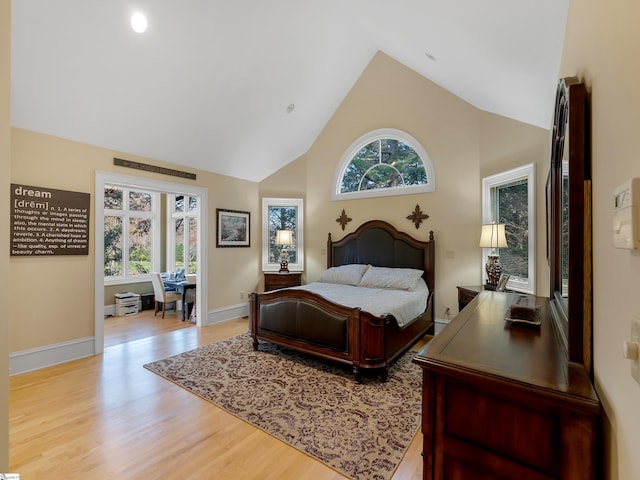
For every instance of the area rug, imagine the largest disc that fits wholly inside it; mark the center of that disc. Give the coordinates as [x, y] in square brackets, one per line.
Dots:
[362, 430]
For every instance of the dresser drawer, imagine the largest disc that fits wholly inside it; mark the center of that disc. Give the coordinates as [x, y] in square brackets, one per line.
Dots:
[502, 425]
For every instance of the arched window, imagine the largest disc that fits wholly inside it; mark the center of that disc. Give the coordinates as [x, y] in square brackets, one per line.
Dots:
[384, 162]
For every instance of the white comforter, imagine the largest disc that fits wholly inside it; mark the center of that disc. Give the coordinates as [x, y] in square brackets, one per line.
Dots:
[404, 305]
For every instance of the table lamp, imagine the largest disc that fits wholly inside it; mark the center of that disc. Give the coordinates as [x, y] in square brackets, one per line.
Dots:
[493, 237]
[284, 238]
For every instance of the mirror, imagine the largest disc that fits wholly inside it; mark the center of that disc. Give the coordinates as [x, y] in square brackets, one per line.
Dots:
[569, 221]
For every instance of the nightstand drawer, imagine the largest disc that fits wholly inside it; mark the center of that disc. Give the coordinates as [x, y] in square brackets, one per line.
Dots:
[274, 281]
[466, 294]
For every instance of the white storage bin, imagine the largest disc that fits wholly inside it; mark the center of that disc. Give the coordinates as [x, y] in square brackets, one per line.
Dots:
[127, 303]
[125, 310]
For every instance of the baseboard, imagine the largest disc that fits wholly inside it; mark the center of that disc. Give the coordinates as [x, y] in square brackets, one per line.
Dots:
[41, 357]
[440, 323]
[227, 313]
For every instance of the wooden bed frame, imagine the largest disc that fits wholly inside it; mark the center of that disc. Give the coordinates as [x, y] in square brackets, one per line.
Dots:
[309, 323]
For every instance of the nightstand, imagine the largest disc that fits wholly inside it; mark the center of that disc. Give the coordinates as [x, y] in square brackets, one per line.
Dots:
[466, 294]
[275, 280]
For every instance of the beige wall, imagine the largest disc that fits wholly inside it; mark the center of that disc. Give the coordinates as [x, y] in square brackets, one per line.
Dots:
[53, 297]
[602, 47]
[461, 141]
[506, 144]
[391, 95]
[5, 167]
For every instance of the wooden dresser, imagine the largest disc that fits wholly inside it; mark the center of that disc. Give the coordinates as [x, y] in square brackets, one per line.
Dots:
[502, 401]
[274, 281]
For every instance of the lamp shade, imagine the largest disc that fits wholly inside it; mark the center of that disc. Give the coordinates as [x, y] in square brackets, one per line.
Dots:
[284, 237]
[493, 236]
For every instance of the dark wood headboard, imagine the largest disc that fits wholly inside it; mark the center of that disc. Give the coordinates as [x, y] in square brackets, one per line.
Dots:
[380, 244]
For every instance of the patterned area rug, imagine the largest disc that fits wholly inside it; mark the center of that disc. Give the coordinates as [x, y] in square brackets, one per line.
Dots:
[360, 430]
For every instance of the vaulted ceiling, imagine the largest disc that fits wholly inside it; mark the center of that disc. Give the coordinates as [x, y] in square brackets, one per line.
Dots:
[210, 84]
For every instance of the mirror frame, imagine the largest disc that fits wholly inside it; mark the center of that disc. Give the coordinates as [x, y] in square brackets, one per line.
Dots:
[572, 314]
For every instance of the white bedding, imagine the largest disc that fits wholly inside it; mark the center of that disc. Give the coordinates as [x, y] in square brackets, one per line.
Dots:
[404, 305]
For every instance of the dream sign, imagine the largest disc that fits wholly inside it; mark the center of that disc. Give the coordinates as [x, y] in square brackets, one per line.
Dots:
[45, 221]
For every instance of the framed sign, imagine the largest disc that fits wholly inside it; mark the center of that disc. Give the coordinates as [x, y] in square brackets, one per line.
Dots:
[232, 228]
[46, 221]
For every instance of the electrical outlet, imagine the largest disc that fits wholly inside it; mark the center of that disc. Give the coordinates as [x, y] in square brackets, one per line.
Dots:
[631, 349]
[243, 295]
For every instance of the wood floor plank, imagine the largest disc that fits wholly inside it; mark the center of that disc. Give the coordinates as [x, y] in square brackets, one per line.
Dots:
[108, 417]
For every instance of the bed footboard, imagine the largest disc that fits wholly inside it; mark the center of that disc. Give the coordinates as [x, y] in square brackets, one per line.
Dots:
[303, 321]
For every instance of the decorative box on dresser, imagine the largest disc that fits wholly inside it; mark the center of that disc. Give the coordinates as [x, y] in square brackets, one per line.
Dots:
[502, 401]
[275, 280]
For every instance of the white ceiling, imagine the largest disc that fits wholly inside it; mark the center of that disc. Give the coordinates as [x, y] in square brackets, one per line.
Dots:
[208, 84]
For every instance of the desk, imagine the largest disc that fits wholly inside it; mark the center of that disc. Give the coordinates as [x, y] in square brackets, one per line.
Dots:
[182, 286]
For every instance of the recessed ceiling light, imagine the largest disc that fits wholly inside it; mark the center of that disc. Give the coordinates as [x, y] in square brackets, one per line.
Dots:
[290, 107]
[138, 22]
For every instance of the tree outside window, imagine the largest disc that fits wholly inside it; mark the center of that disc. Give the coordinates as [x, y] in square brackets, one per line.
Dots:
[384, 162]
[282, 214]
[184, 233]
[510, 206]
[128, 252]
[283, 218]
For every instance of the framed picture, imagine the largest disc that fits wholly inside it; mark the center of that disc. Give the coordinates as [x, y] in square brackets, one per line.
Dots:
[502, 283]
[232, 228]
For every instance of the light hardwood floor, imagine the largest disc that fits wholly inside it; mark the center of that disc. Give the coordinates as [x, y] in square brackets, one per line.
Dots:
[108, 417]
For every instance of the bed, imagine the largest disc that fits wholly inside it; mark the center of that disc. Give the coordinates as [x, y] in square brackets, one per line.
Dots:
[309, 322]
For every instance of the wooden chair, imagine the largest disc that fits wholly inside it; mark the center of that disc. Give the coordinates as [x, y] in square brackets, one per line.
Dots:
[161, 295]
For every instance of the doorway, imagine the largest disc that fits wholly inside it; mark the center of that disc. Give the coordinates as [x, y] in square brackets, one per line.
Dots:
[107, 178]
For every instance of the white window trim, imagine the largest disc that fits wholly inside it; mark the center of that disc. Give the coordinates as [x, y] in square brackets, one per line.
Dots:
[383, 192]
[283, 202]
[125, 214]
[110, 178]
[171, 216]
[528, 171]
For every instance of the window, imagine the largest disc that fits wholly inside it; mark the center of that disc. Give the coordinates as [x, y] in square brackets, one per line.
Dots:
[182, 249]
[131, 233]
[384, 162]
[282, 214]
[509, 198]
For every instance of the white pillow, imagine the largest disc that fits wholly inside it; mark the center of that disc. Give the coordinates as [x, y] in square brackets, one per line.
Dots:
[392, 278]
[344, 274]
